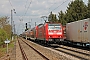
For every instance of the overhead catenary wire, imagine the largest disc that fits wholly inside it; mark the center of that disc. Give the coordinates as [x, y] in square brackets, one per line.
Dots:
[26, 3]
[53, 4]
[15, 13]
[10, 3]
[28, 7]
[25, 6]
[48, 8]
[58, 6]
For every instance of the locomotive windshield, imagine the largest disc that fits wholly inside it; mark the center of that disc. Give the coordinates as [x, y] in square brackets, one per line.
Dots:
[54, 27]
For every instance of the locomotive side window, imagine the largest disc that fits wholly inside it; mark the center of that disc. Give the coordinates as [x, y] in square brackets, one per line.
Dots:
[54, 27]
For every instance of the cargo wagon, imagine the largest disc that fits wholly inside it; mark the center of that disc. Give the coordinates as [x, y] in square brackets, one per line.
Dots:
[78, 32]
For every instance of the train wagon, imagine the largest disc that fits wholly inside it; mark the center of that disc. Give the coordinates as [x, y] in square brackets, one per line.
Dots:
[50, 32]
[26, 34]
[33, 33]
[78, 32]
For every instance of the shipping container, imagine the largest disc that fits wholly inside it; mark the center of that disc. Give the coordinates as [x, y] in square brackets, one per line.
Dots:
[78, 31]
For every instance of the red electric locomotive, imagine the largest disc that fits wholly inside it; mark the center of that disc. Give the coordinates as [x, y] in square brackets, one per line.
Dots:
[49, 32]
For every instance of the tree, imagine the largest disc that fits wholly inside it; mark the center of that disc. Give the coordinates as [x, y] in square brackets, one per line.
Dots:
[4, 24]
[4, 21]
[88, 8]
[77, 10]
[3, 36]
[62, 18]
[7, 28]
[52, 18]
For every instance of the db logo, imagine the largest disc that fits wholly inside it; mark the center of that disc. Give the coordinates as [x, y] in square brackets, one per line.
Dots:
[85, 25]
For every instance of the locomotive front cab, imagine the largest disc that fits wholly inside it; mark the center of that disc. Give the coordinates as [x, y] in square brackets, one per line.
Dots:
[55, 32]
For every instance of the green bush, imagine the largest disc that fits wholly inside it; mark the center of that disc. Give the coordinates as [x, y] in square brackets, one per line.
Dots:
[3, 36]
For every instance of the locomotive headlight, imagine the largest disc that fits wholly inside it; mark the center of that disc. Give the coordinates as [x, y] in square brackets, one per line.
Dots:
[60, 36]
[49, 36]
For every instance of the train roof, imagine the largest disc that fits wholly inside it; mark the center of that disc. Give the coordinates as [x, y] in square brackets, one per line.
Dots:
[40, 24]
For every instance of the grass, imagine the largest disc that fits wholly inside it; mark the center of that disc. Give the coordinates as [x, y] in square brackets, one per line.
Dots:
[2, 51]
[3, 48]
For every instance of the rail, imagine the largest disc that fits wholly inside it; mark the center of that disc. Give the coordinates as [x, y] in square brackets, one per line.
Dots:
[36, 51]
[22, 51]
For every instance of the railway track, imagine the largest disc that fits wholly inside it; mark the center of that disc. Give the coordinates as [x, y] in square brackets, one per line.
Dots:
[77, 53]
[74, 52]
[22, 51]
[27, 53]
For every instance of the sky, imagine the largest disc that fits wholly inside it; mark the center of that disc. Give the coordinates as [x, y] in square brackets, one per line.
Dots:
[31, 11]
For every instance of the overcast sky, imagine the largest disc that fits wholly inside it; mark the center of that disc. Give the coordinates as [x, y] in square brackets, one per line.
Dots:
[31, 10]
